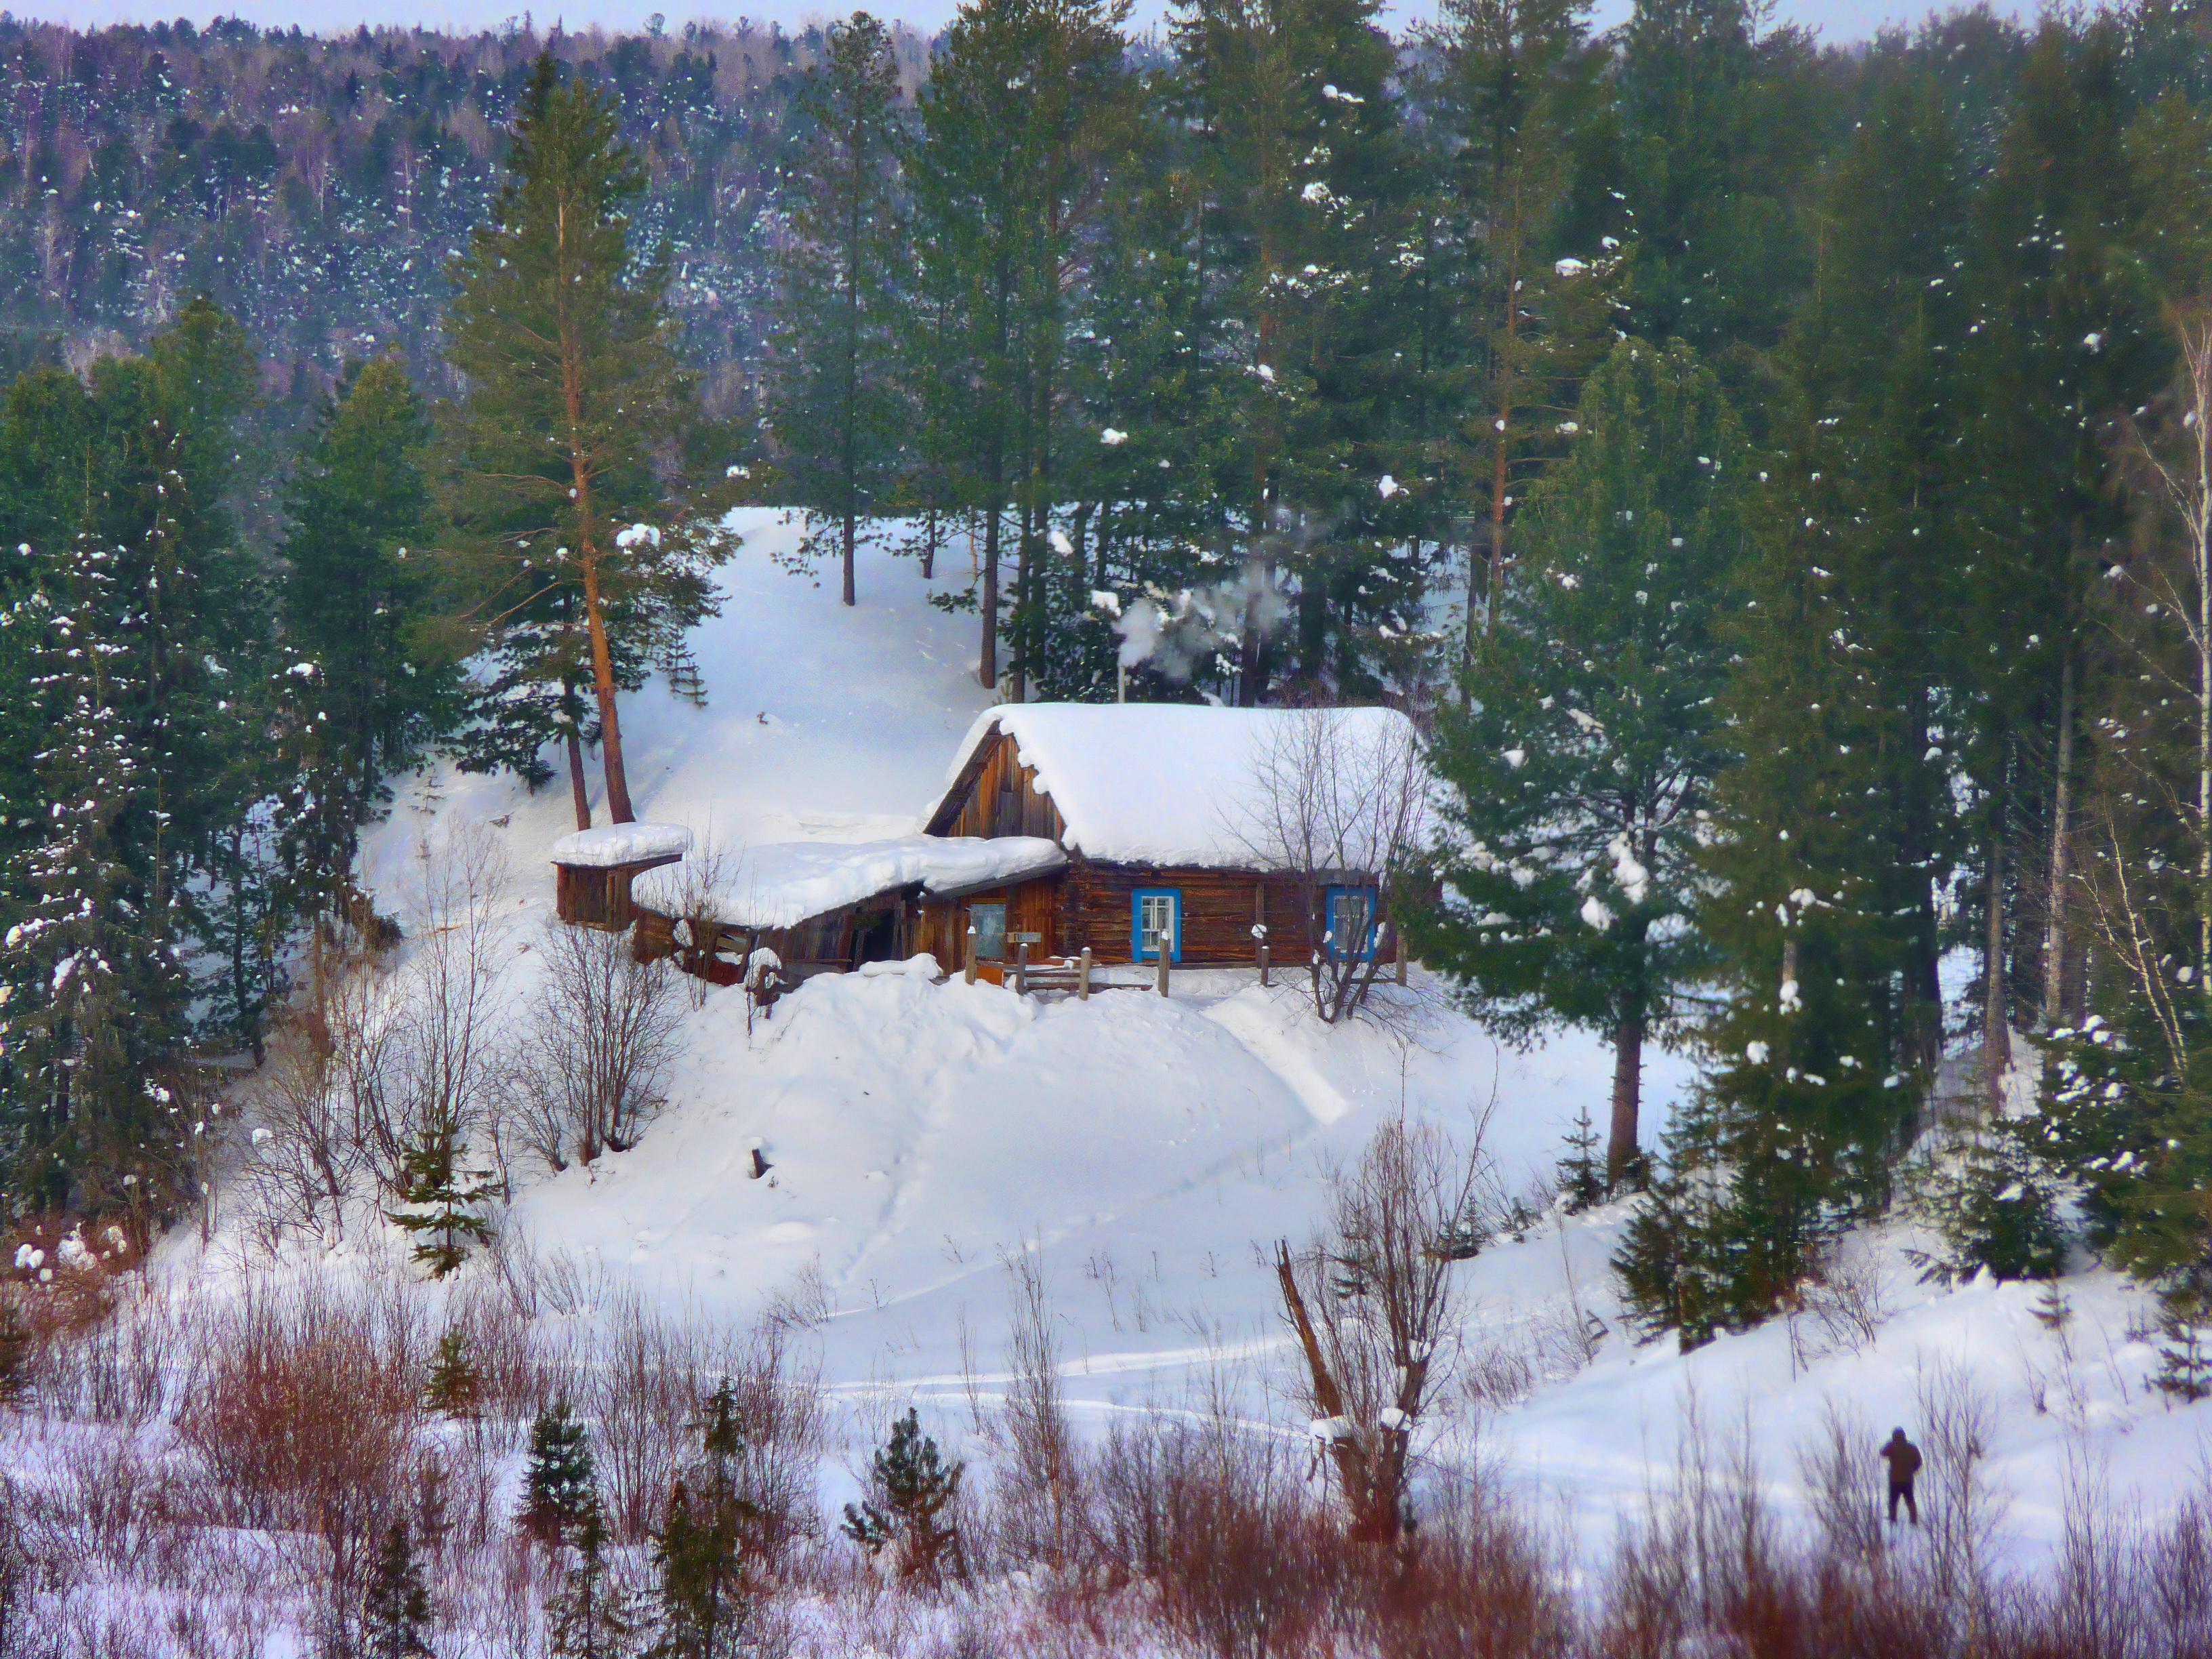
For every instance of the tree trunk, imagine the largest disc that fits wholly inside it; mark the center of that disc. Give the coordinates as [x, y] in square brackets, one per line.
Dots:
[929, 543]
[576, 790]
[851, 519]
[1997, 1023]
[987, 663]
[1621, 1149]
[603, 684]
[2062, 809]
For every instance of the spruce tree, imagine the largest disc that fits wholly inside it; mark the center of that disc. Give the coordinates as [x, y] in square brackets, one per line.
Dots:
[833, 403]
[575, 390]
[1579, 771]
[699, 1554]
[93, 1025]
[439, 1199]
[357, 596]
[560, 1487]
[592, 1616]
[395, 1610]
[454, 1387]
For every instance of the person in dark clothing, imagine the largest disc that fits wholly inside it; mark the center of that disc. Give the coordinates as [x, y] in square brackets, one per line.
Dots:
[1903, 1459]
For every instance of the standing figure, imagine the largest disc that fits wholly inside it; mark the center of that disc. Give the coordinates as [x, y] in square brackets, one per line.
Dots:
[1903, 1459]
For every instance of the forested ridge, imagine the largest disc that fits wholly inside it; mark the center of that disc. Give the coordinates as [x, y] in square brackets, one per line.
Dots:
[1775, 472]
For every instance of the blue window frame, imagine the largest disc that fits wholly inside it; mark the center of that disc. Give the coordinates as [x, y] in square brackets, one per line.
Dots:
[1350, 916]
[1155, 916]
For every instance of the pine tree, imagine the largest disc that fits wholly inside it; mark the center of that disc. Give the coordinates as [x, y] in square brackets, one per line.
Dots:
[833, 403]
[573, 389]
[395, 1610]
[1580, 768]
[917, 1487]
[439, 1199]
[454, 1388]
[1515, 85]
[1027, 104]
[560, 1487]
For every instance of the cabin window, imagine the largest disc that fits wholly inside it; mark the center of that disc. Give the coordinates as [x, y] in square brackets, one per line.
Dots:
[1156, 922]
[990, 921]
[1351, 921]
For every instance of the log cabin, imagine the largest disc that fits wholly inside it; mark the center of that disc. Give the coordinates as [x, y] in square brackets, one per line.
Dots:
[1134, 830]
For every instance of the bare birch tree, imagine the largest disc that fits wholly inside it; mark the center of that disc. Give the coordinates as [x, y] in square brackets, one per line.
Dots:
[598, 1046]
[1340, 804]
[1374, 1303]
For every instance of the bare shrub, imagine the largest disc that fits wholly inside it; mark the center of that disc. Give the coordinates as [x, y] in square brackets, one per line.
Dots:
[1375, 1306]
[303, 1408]
[1340, 804]
[599, 1046]
[1037, 1490]
[1963, 1511]
[422, 1060]
[1840, 1483]
[1847, 1297]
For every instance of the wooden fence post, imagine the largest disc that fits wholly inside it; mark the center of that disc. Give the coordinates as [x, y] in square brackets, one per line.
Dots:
[970, 972]
[1163, 969]
[1022, 967]
[1263, 962]
[1082, 983]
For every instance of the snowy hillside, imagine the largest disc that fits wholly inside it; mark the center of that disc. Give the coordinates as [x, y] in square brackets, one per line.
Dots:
[1151, 1149]
[914, 1131]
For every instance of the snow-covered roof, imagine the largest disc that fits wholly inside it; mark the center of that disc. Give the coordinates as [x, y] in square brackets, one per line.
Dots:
[610, 844]
[782, 885]
[1159, 783]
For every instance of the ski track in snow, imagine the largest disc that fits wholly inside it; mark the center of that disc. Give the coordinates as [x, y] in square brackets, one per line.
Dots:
[1148, 1152]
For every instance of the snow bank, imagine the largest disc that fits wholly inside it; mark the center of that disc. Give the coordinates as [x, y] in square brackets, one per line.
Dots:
[612, 844]
[1157, 783]
[783, 885]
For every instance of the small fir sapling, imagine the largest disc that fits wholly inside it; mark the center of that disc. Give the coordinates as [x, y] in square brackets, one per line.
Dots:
[439, 1199]
[2053, 1310]
[395, 1610]
[1582, 1174]
[918, 1487]
[700, 1552]
[561, 1485]
[455, 1386]
[2184, 1355]
[591, 1617]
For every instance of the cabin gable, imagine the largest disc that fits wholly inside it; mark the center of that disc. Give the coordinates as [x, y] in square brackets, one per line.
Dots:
[996, 795]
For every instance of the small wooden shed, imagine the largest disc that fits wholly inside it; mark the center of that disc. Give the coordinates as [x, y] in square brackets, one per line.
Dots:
[594, 870]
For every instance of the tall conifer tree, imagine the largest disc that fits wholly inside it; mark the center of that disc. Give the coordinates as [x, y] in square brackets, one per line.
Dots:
[833, 402]
[575, 393]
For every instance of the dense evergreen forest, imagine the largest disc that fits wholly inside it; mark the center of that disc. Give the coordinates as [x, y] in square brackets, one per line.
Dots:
[1777, 473]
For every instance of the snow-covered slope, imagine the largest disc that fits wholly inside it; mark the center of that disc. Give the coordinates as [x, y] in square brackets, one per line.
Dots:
[1151, 1149]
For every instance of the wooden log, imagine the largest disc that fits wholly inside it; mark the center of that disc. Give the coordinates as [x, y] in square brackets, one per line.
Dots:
[971, 953]
[1021, 967]
[1164, 973]
[1082, 980]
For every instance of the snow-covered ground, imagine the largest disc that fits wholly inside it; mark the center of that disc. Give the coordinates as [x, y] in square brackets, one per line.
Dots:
[1150, 1151]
